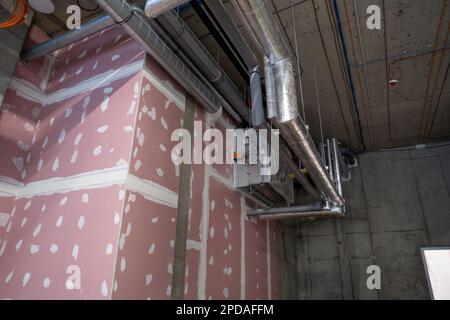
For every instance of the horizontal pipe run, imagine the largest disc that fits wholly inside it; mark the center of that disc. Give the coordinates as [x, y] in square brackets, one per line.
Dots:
[313, 210]
[305, 215]
[202, 59]
[220, 13]
[175, 48]
[315, 206]
[139, 27]
[61, 41]
[299, 175]
[281, 92]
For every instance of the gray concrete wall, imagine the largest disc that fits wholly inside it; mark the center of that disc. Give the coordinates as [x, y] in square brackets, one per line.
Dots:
[398, 202]
[11, 42]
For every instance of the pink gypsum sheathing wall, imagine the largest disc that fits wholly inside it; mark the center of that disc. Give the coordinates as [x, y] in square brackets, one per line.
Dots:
[87, 185]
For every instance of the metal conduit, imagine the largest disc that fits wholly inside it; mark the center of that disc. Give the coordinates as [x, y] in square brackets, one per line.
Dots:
[314, 210]
[251, 62]
[61, 41]
[203, 60]
[318, 209]
[258, 115]
[258, 19]
[141, 30]
[232, 32]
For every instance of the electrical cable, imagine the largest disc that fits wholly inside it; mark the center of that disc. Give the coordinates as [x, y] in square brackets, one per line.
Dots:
[298, 63]
[352, 86]
[331, 72]
[19, 13]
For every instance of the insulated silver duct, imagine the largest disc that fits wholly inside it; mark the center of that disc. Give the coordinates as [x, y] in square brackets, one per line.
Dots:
[258, 19]
[68, 38]
[141, 30]
[154, 8]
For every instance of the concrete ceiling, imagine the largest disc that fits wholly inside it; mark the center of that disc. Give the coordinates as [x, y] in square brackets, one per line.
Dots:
[55, 23]
[412, 47]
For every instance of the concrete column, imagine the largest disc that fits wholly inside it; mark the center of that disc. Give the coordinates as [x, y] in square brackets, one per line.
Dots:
[184, 201]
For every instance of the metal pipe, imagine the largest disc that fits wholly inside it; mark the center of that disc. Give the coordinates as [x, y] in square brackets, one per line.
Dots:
[314, 210]
[174, 47]
[299, 176]
[258, 19]
[61, 41]
[349, 72]
[302, 145]
[330, 160]
[141, 30]
[309, 215]
[220, 13]
[337, 167]
[154, 8]
[258, 116]
[315, 206]
[363, 56]
[203, 60]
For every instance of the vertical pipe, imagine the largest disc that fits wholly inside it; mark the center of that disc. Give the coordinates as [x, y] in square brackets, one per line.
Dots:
[257, 101]
[330, 160]
[349, 72]
[319, 111]
[179, 260]
[337, 167]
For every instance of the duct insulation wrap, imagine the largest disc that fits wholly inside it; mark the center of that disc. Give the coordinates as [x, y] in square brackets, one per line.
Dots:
[285, 92]
[270, 91]
[281, 93]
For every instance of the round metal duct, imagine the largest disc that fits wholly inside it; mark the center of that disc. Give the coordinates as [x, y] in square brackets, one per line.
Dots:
[44, 6]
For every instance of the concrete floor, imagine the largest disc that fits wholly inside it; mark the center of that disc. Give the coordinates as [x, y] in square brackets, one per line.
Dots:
[398, 202]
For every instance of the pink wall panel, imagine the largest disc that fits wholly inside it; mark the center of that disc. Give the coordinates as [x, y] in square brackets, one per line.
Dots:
[90, 131]
[144, 261]
[224, 243]
[274, 257]
[127, 238]
[97, 54]
[51, 233]
[157, 119]
[35, 71]
[161, 74]
[6, 207]
[18, 119]
[256, 260]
